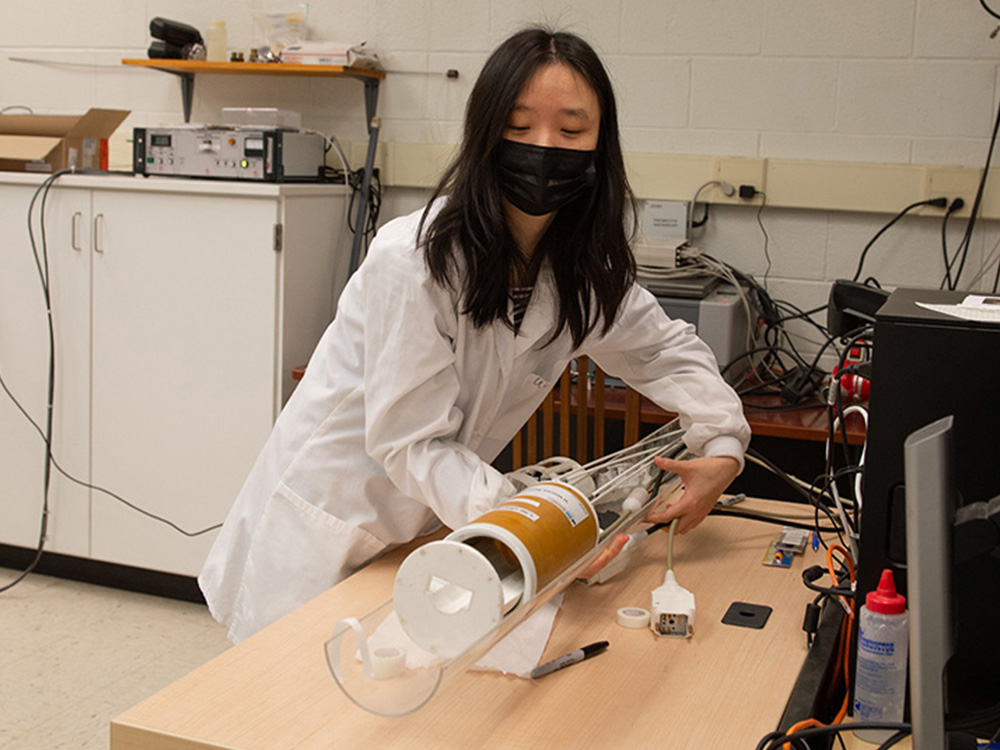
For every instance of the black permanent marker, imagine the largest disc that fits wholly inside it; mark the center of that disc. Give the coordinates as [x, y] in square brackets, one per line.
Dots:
[571, 658]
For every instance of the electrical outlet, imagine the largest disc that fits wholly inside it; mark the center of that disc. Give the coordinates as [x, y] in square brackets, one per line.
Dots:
[740, 171]
[951, 183]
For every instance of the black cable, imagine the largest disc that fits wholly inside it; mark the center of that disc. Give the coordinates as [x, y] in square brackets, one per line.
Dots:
[374, 206]
[770, 465]
[96, 488]
[42, 267]
[963, 246]
[811, 574]
[956, 205]
[902, 734]
[764, 408]
[773, 740]
[932, 202]
[758, 350]
[723, 511]
[988, 9]
[704, 218]
[764, 386]
[804, 315]
[767, 239]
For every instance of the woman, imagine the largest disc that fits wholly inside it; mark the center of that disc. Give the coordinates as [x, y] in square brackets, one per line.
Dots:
[450, 335]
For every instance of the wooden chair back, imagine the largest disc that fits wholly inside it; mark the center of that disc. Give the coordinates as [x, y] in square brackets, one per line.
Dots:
[580, 393]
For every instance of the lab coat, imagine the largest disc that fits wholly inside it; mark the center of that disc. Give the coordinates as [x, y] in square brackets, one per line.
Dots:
[403, 406]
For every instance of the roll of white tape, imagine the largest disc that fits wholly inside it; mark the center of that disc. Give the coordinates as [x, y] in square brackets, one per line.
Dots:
[388, 662]
[633, 617]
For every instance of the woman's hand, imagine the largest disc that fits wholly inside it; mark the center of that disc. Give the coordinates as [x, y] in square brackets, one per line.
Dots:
[608, 554]
[704, 479]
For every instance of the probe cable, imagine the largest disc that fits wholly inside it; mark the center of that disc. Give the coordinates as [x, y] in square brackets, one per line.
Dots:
[42, 265]
[95, 487]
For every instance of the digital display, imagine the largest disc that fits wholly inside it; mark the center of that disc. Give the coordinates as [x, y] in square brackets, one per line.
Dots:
[161, 140]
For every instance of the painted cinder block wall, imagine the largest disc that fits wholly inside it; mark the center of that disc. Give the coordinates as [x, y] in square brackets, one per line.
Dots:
[884, 82]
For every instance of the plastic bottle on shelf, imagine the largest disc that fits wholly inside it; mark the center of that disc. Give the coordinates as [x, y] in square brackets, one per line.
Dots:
[880, 674]
[216, 44]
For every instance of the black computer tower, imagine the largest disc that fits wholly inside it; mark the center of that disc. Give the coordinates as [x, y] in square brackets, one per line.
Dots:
[926, 365]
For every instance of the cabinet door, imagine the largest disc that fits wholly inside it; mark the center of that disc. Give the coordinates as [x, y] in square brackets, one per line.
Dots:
[24, 366]
[184, 350]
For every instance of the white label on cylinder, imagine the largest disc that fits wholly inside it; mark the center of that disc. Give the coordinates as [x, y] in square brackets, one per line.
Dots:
[563, 498]
[523, 511]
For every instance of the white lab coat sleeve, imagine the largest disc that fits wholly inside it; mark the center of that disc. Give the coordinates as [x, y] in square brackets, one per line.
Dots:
[412, 384]
[666, 361]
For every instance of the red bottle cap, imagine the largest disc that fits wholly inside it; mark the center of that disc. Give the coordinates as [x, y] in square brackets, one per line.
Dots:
[884, 599]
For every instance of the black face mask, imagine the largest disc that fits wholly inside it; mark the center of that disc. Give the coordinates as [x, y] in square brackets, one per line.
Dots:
[542, 179]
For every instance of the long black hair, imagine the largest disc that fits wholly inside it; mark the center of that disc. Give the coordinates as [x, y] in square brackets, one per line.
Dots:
[587, 242]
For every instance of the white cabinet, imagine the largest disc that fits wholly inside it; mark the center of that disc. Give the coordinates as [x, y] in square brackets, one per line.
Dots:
[24, 345]
[183, 314]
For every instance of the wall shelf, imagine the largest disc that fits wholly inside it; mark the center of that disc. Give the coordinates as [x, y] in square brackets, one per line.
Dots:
[186, 70]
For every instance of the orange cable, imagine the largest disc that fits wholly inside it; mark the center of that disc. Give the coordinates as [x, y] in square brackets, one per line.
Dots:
[844, 648]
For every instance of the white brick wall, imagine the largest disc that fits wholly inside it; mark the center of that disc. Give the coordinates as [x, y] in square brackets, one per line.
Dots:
[892, 81]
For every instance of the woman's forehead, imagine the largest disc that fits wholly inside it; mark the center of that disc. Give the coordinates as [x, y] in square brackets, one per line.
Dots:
[558, 87]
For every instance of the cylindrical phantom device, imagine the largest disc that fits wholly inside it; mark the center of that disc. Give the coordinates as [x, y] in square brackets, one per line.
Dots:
[454, 599]
[450, 593]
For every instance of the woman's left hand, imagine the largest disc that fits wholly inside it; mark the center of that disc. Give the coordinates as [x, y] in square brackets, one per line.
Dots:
[704, 479]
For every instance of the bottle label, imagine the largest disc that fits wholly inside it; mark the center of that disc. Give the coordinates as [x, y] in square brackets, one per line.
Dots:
[876, 648]
[880, 673]
[867, 711]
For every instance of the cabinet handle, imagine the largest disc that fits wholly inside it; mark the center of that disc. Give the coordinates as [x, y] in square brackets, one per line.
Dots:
[99, 233]
[75, 238]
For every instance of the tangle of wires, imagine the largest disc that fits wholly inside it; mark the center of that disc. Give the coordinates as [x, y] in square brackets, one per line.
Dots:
[772, 362]
[832, 529]
[355, 180]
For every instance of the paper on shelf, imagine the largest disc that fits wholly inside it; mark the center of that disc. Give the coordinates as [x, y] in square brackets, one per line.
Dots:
[977, 307]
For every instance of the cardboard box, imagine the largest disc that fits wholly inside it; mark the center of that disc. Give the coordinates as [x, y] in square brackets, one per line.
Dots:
[48, 143]
[345, 54]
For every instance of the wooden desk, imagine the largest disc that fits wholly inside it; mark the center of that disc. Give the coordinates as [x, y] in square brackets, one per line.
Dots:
[725, 687]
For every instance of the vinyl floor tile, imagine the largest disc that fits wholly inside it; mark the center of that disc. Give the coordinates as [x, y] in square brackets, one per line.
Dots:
[73, 656]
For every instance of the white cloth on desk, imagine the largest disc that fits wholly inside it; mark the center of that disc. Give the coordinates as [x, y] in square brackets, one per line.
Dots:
[402, 408]
[517, 653]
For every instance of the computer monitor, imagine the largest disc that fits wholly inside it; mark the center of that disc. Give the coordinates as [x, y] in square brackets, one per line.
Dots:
[930, 515]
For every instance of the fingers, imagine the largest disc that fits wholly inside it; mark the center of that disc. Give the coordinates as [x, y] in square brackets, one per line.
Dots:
[704, 479]
[670, 464]
[686, 514]
[608, 554]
